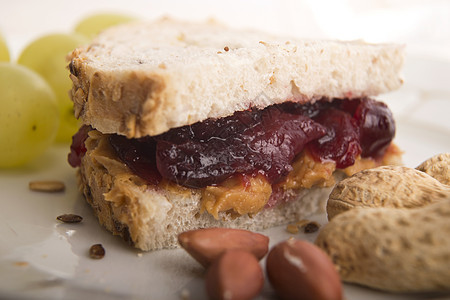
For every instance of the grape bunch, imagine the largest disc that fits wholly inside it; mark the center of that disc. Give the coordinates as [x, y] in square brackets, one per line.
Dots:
[35, 108]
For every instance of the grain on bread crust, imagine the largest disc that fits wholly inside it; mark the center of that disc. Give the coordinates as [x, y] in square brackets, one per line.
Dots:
[144, 78]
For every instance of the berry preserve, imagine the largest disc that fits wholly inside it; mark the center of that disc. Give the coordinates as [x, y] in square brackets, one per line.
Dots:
[259, 142]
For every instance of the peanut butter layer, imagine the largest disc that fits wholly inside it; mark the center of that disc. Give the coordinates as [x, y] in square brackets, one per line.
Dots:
[235, 195]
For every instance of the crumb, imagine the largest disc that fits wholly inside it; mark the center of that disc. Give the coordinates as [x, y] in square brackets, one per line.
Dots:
[21, 264]
[185, 294]
[181, 37]
[272, 79]
[139, 254]
[295, 227]
[302, 223]
[292, 228]
[307, 226]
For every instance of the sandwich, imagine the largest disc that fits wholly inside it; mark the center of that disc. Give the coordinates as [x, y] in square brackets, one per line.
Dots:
[190, 125]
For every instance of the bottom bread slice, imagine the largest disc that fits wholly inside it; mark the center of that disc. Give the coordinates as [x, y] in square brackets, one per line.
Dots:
[150, 217]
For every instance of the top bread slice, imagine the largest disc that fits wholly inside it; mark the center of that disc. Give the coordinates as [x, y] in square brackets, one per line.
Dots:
[145, 78]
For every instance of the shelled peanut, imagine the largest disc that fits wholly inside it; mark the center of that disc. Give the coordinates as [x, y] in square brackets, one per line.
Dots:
[296, 269]
[300, 270]
[231, 257]
[235, 274]
[206, 245]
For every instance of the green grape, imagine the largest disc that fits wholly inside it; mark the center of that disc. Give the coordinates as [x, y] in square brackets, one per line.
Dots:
[47, 56]
[29, 115]
[4, 53]
[93, 25]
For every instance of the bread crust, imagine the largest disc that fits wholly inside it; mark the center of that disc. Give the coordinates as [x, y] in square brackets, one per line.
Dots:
[142, 79]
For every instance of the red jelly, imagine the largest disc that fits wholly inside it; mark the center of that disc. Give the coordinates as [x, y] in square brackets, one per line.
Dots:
[138, 155]
[341, 143]
[260, 141]
[264, 141]
[376, 125]
[77, 148]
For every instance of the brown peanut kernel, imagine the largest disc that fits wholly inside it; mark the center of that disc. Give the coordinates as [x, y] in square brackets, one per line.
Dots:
[47, 186]
[236, 274]
[226, 48]
[298, 269]
[69, 218]
[97, 251]
[206, 245]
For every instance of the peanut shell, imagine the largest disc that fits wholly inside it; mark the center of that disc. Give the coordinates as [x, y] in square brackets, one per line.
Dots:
[387, 186]
[437, 167]
[397, 250]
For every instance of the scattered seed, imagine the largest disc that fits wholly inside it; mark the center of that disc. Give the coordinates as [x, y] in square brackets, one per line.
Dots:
[69, 218]
[97, 251]
[311, 227]
[51, 186]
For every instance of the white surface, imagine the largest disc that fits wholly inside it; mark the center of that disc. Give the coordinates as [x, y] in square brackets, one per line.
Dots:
[41, 258]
